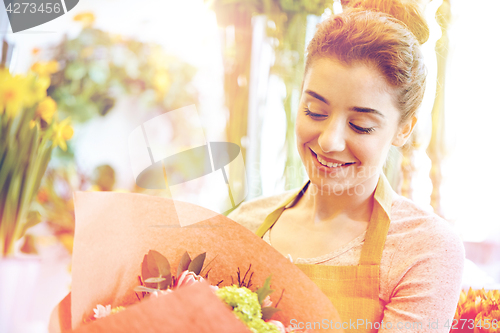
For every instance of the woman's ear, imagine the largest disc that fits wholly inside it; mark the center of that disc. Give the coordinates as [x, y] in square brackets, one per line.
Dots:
[404, 132]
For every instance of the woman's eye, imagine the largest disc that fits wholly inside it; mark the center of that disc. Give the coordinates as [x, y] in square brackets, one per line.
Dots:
[362, 130]
[314, 115]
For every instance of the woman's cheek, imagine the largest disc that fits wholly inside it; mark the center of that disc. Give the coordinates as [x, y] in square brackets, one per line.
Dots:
[304, 131]
[365, 149]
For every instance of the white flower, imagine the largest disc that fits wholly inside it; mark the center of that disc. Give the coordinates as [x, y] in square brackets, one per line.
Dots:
[161, 292]
[101, 311]
[267, 302]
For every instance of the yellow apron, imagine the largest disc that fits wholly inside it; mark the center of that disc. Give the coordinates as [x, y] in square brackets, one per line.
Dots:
[353, 290]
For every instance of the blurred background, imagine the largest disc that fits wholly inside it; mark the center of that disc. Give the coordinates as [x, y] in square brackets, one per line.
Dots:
[108, 66]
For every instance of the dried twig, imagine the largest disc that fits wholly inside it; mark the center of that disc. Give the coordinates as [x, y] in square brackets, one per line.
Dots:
[279, 300]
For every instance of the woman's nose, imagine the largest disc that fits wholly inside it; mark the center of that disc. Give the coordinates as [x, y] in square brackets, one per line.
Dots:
[332, 137]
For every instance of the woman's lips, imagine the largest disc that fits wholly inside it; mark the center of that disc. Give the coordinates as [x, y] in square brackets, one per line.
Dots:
[332, 164]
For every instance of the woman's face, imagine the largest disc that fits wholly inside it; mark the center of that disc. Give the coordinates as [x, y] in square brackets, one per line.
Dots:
[346, 124]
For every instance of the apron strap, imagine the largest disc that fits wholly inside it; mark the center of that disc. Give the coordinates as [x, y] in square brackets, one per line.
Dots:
[376, 234]
[273, 217]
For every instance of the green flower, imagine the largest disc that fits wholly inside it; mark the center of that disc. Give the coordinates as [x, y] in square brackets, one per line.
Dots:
[246, 306]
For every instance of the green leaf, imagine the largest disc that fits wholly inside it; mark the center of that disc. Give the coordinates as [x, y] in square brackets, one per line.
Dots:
[268, 312]
[159, 266]
[265, 290]
[75, 71]
[197, 264]
[32, 218]
[183, 264]
[152, 266]
[8, 167]
[145, 274]
[10, 218]
[146, 289]
[99, 73]
[154, 280]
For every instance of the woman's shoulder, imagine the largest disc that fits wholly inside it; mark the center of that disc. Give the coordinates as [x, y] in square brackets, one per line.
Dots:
[422, 265]
[406, 214]
[420, 228]
[251, 214]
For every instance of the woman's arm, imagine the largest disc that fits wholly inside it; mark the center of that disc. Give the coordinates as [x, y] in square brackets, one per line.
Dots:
[425, 278]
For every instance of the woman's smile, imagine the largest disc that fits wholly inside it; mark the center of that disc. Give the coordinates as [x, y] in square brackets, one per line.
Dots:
[346, 125]
[328, 164]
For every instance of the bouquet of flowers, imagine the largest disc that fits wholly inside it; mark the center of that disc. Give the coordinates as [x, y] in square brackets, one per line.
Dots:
[254, 308]
[113, 233]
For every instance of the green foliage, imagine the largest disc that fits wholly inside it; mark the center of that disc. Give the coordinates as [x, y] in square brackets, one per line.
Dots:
[97, 67]
[268, 312]
[197, 264]
[308, 7]
[265, 290]
[25, 149]
[156, 273]
[183, 263]
[24, 156]
[246, 307]
[155, 265]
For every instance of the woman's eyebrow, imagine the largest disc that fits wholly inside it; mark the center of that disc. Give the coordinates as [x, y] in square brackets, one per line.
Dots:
[354, 108]
[317, 96]
[367, 110]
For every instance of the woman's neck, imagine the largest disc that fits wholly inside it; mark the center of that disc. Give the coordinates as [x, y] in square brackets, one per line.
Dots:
[355, 203]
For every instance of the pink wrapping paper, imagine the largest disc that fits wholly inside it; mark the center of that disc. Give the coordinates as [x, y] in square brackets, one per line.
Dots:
[192, 309]
[115, 230]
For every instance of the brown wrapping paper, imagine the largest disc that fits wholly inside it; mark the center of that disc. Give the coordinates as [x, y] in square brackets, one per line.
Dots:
[191, 309]
[115, 230]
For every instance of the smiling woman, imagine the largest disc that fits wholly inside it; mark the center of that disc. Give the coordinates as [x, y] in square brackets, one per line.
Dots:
[349, 119]
[382, 260]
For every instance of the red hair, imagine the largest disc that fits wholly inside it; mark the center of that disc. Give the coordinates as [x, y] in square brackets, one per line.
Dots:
[379, 39]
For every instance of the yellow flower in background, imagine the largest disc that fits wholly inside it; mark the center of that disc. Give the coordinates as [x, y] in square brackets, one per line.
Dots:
[34, 123]
[46, 109]
[36, 87]
[41, 84]
[62, 133]
[14, 91]
[45, 68]
[161, 82]
[86, 18]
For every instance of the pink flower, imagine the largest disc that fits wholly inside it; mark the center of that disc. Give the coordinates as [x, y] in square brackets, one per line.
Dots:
[267, 301]
[278, 324]
[290, 329]
[188, 278]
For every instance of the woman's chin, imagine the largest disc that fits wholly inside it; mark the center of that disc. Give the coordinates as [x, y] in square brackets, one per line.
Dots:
[350, 184]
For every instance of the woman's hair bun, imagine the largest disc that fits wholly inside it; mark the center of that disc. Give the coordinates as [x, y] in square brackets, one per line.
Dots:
[407, 11]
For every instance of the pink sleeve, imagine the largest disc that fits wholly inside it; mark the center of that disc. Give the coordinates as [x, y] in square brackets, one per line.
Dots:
[425, 285]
